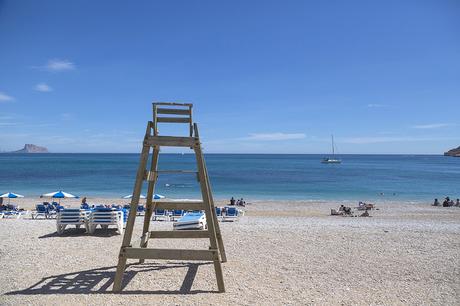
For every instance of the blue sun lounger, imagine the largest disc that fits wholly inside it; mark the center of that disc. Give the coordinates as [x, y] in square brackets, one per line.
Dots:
[40, 210]
[177, 214]
[231, 214]
[160, 215]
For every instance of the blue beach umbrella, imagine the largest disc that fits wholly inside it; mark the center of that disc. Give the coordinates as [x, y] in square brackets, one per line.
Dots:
[11, 195]
[59, 195]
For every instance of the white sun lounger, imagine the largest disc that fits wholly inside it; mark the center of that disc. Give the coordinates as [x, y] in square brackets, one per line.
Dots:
[69, 216]
[105, 217]
[191, 220]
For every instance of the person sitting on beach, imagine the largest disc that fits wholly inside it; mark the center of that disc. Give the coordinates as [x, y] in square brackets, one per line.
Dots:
[446, 202]
[347, 210]
[232, 201]
[436, 202]
[341, 207]
[451, 203]
[457, 203]
[241, 202]
[365, 214]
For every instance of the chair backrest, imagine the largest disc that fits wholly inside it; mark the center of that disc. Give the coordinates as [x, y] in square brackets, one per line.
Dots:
[41, 208]
[159, 211]
[231, 211]
[178, 212]
[84, 206]
[218, 211]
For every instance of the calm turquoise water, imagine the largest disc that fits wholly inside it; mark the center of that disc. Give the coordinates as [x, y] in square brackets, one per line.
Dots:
[252, 176]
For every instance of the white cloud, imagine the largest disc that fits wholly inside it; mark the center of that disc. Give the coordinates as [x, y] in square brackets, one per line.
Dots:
[274, 136]
[376, 105]
[433, 125]
[5, 98]
[57, 65]
[43, 87]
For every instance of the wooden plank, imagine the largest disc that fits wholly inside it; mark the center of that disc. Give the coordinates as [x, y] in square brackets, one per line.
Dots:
[132, 217]
[170, 141]
[180, 205]
[173, 103]
[150, 191]
[205, 192]
[173, 120]
[171, 254]
[173, 111]
[180, 234]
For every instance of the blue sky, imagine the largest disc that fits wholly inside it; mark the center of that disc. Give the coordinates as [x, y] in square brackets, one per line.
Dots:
[264, 76]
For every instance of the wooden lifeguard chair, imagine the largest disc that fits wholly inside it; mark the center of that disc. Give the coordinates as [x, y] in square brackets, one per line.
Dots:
[175, 113]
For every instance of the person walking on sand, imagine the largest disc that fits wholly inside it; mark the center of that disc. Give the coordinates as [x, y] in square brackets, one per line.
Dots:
[436, 202]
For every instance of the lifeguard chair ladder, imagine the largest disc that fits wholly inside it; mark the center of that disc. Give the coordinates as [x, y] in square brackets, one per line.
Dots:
[176, 113]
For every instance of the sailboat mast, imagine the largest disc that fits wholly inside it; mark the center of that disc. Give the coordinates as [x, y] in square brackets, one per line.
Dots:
[333, 151]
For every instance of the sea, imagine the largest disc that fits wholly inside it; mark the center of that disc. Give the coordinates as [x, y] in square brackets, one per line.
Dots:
[248, 176]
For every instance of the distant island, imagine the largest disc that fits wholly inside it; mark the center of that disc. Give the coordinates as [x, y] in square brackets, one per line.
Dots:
[31, 148]
[453, 152]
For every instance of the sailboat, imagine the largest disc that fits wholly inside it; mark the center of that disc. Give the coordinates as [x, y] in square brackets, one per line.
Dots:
[331, 160]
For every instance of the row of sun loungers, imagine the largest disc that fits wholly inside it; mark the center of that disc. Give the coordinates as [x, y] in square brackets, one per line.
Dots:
[228, 214]
[91, 218]
[12, 211]
[196, 220]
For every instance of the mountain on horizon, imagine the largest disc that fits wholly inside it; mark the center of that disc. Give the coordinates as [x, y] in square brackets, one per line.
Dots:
[31, 148]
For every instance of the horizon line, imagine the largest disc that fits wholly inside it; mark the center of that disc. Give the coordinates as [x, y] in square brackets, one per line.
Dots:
[252, 153]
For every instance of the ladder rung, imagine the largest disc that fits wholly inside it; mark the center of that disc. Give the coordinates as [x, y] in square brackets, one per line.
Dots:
[173, 111]
[171, 141]
[150, 175]
[180, 234]
[174, 119]
[180, 205]
[173, 254]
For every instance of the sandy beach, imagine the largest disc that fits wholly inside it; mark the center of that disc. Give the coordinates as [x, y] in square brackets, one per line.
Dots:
[279, 253]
